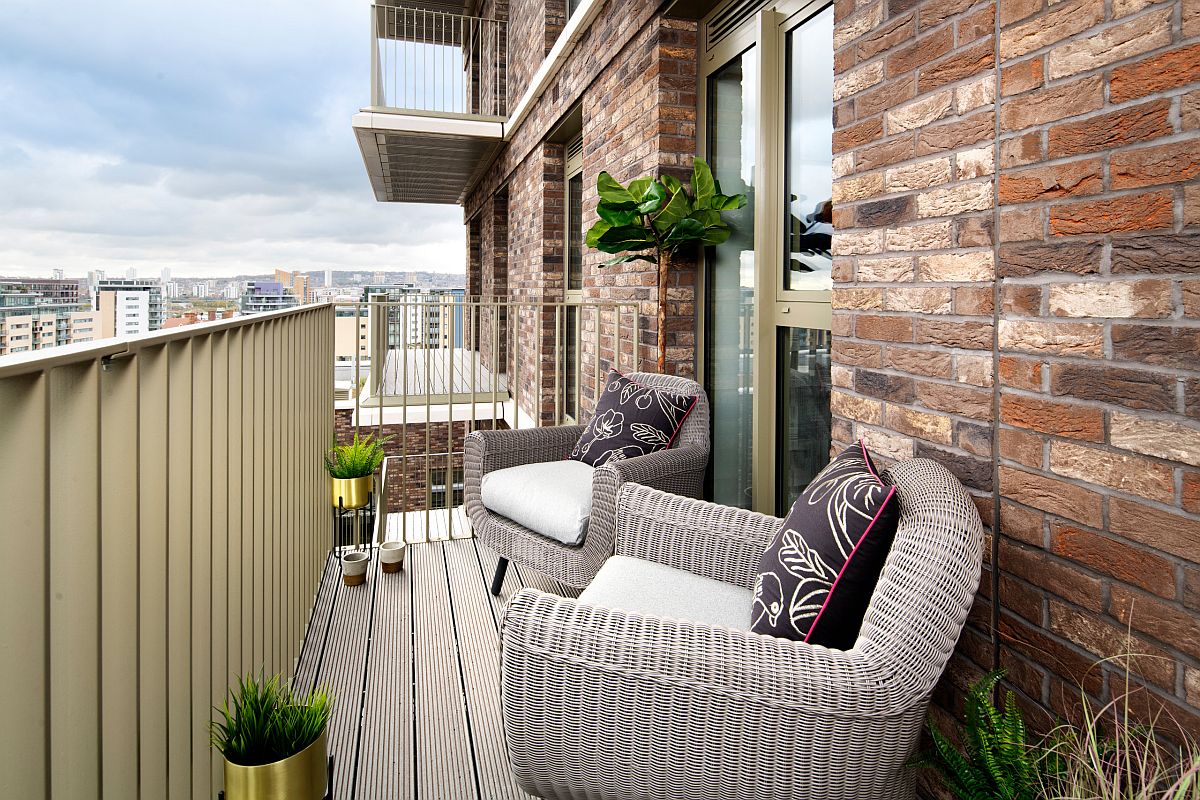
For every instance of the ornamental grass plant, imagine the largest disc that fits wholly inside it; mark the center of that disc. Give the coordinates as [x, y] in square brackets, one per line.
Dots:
[1110, 753]
[263, 721]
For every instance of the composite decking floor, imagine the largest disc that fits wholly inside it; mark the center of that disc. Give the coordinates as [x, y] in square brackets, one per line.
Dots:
[412, 659]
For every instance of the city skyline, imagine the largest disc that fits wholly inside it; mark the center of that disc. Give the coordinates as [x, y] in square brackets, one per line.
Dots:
[196, 143]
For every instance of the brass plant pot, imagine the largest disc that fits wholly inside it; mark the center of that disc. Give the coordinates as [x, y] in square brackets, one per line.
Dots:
[353, 492]
[299, 777]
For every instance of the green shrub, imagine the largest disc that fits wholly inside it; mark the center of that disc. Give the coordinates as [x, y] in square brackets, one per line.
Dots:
[996, 761]
[267, 723]
[358, 459]
[1109, 755]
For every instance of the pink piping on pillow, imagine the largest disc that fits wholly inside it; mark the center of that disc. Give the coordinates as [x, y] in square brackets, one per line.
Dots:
[861, 539]
[867, 461]
[679, 427]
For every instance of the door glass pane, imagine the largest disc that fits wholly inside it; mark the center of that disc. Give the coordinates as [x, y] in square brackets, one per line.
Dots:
[804, 416]
[809, 142]
[575, 231]
[730, 274]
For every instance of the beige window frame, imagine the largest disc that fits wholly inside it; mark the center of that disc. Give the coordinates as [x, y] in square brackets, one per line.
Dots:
[774, 308]
[567, 334]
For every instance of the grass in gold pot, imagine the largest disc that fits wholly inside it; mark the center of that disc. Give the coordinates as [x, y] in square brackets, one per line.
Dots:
[273, 741]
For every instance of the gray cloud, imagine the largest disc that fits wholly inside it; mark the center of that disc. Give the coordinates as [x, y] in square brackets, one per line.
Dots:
[209, 138]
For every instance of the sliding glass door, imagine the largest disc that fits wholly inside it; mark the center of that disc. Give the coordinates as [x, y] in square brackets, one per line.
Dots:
[768, 106]
[729, 361]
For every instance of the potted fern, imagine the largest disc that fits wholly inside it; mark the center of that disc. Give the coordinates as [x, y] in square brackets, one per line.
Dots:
[274, 741]
[352, 468]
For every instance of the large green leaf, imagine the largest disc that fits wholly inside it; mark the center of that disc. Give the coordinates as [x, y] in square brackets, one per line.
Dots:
[595, 232]
[672, 183]
[716, 235]
[722, 202]
[612, 262]
[702, 183]
[625, 237]
[653, 199]
[679, 207]
[616, 215]
[612, 192]
[686, 230]
[706, 217]
[638, 187]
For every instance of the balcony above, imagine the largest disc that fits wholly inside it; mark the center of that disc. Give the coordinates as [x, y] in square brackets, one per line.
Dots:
[438, 102]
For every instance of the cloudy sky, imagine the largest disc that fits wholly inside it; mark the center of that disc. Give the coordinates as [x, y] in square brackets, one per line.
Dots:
[210, 137]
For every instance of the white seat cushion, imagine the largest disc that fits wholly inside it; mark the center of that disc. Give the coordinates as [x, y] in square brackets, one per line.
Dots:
[655, 590]
[553, 498]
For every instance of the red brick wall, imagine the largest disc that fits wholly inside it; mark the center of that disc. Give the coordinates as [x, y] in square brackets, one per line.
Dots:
[635, 75]
[1016, 296]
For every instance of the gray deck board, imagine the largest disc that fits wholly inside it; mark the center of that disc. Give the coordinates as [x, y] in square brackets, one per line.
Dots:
[444, 766]
[412, 659]
[385, 768]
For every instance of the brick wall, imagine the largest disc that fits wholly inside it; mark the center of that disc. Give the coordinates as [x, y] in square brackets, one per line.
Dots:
[1017, 296]
[634, 73]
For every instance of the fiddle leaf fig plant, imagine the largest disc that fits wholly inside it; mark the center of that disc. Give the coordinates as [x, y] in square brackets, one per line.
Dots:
[653, 218]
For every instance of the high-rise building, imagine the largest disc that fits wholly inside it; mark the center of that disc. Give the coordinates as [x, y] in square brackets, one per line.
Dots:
[261, 296]
[39, 313]
[172, 290]
[328, 278]
[128, 306]
[295, 282]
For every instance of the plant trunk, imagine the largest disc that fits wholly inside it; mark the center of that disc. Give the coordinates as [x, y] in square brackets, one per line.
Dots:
[664, 260]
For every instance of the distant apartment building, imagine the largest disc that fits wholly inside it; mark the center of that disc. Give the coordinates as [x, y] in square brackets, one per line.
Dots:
[203, 289]
[260, 296]
[193, 317]
[36, 314]
[128, 306]
[297, 283]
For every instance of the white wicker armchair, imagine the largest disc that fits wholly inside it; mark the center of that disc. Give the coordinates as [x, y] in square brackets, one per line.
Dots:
[599, 703]
[679, 469]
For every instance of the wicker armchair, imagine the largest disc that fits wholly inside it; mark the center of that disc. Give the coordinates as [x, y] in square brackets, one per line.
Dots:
[679, 470]
[600, 703]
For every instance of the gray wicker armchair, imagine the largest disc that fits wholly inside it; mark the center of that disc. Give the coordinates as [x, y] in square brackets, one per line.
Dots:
[679, 470]
[601, 703]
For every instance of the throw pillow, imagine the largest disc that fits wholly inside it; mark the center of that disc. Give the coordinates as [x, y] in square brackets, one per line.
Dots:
[631, 420]
[817, 575]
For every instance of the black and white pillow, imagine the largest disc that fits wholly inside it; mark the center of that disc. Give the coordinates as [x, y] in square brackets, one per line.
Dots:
[817, 575]
[631, 420]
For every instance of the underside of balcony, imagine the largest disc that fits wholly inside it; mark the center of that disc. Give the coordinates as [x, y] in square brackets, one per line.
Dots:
[418, 158]
[412, 660]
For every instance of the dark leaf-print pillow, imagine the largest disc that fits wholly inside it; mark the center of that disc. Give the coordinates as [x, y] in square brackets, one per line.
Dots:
[817, 575]
[631, 420]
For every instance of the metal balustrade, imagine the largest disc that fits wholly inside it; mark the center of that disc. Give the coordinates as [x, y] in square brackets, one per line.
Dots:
[166, 514]
[438, 62]
[442, 366]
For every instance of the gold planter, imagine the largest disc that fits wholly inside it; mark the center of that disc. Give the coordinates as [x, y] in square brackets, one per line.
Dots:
[353, 492]
[300, 777]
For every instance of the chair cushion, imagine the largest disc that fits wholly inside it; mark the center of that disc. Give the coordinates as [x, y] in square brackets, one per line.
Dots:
[631, 420]
[655, 590]
[553, 498]
[817, 575]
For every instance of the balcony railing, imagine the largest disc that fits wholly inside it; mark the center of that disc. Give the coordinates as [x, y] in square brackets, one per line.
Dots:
[165, 514]
[443, 366]
[437, 62]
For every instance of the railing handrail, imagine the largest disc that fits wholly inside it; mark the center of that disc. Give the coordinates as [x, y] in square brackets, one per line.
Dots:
[118, 346]
[480, 91]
